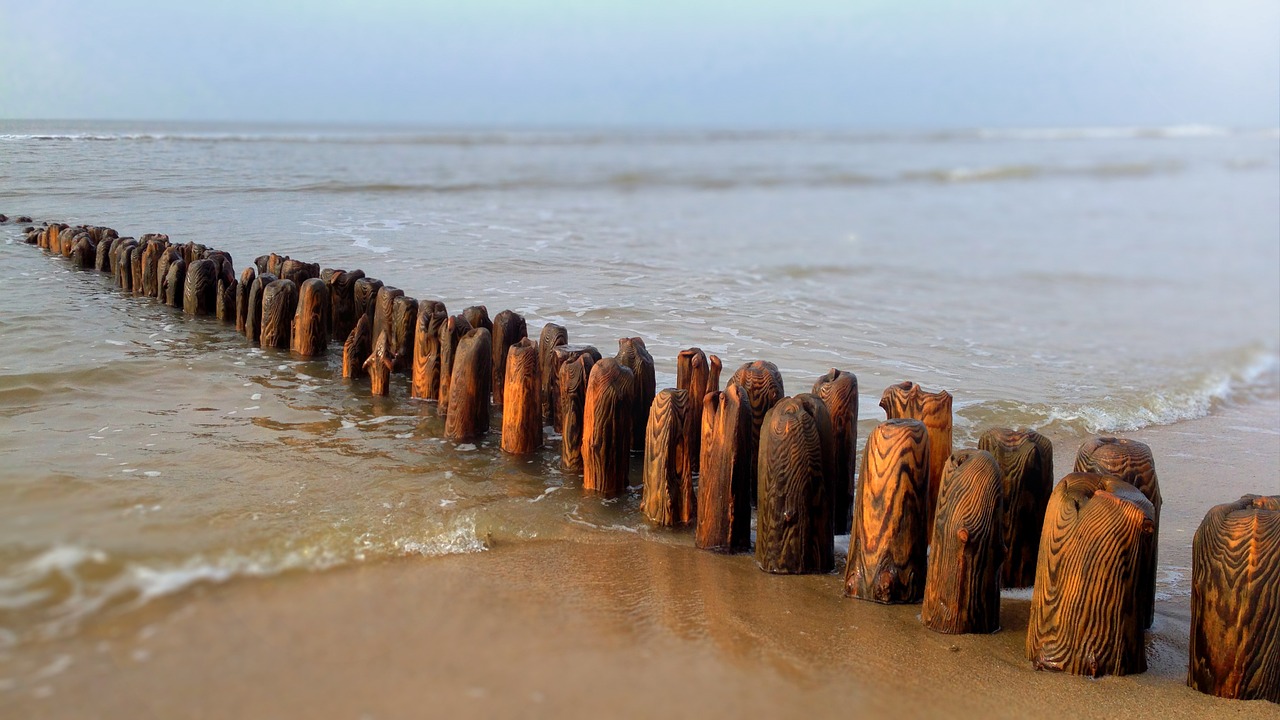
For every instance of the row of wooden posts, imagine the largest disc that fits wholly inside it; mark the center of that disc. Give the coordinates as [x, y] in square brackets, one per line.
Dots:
[927, 525]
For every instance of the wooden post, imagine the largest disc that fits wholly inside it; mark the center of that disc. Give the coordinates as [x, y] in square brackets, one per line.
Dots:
[200, 289]
[521, 405]
[667, 498]
[102, 258]
[83, 252]
[561, 354]
[123, 273]
[1085, 605]
[962, 584]
[404, 319]
[311, 319]
[694, 374]
[889, 539]
[279, 303]
[839, 390]
[365, 294]
[1235, 601]
[242, 297]
[572, 385]
[724, 497]
[633, 354]
[167, 256]
[151, 255]
[382, 309]
[379, 364]
[763, 384]
[425, 379]
[793, 518]
[469, 390]
[606, 428]
[451, 332]
[225, 301]
[253, 317]
[1132, 462]
[298, 271]
[552, 336]
[358, 347]
[908, 400]
[135, 264]
[174, 283]
[1026, 471]
[342, 302]
[508, 329]
[478, 317]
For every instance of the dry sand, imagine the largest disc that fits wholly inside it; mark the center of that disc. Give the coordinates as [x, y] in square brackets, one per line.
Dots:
[620, 625]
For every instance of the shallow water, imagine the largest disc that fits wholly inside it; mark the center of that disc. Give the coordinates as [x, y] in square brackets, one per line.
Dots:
[1073, 281]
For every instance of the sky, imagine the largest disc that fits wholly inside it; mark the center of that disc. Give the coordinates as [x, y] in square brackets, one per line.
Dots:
[614, 63]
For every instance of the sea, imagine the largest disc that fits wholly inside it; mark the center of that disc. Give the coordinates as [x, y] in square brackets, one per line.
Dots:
[1075, 280]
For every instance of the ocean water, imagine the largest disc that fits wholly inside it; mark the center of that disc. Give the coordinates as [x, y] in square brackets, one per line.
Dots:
[1078, 281]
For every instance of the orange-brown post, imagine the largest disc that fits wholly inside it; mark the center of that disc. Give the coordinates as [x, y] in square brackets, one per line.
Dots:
[365, 295]
[908, 400]
[425, 383]
[552, 337]
[561, 354]
[342, 302]
[572, 402]
[356, 349]
[279, 303]
[633, 354]
[1026, 472]
[404, 319]
[469, 391]
[379, 365]
[793, 518]
[839, 390]
[962, 585]
[452, 330]
[311, 319]
[253, 316]
[763, 384]
[606, 432]
[694, 374]
[667, 497]
[508, 329]
[522, 406]
[724, 498]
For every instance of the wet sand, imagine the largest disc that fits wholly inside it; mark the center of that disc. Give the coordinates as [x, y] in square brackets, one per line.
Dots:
[622, 625]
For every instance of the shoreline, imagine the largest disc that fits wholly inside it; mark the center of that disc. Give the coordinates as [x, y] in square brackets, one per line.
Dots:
[619, 624]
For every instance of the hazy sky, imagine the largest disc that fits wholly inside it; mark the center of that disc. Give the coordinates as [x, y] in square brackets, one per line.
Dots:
[725, 63]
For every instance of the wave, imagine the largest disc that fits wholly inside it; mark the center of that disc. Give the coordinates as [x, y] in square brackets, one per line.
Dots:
[1255, 376]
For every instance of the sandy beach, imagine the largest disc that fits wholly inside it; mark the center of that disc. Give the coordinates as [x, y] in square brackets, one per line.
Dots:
[624, 625]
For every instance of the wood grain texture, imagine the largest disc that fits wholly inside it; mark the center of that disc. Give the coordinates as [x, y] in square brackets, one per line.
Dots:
[962, 584]
[404, 320]
[425, 380]
[561, 354]
[1132, 462]
[357, 348]
[606, 428]
[242, 297]
[909, 400]
[693, 373]
[342, 302]
[1085, 605]
[200, 288]
[311, 319]
[135, 263]
[151, 254]
[469, 390]
[174, 282]
[724, 495]
[633, 354]
[793, 518]
[102, 258]
[839, 390]
[1026, 476]
[763, 384]
[365, 295]
[509, 328]
[253, 316]
[224, 306]
[889, 538]
[667, 496]
[551, 337]
[452, 331]
[162, 271]
[478, 317]
[522, 404]
[279, 303]
[382, 310]
[379, 364]
[298, 271]
[572, 403]
[83, 252]
[1235, 601]
[122, 266]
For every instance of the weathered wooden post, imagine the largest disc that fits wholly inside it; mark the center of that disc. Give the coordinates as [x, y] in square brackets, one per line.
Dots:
[633, 354]
[162, 271]
[763, 384]
[561, 354]
[102, 257]
[225, 303]
[253, 317]
[199, 290]
[174, 282]
[425, 380]
[1235, 601]
[356, 349]
[404, 319]
[365, 294]
[279, 303]
[509, 328]
[469, 391]
[1132, 462]
[342, 302]
[151, 255]
[83, 252]
[298, 272]
[451, 333]
[478, 317]
[1085, 608]
[908, 400]
[693, 373]
[522, 405]
[724, 496]
[1026, 472]
[382, 309]
[123, 268]
[962, 584]
[793, 517]
[242, 298]
[311, 320]
[839, 390]
[889, 538]
[667, 497]
[552, 336]
[606, 432]
[379, 364]
[572, 403]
